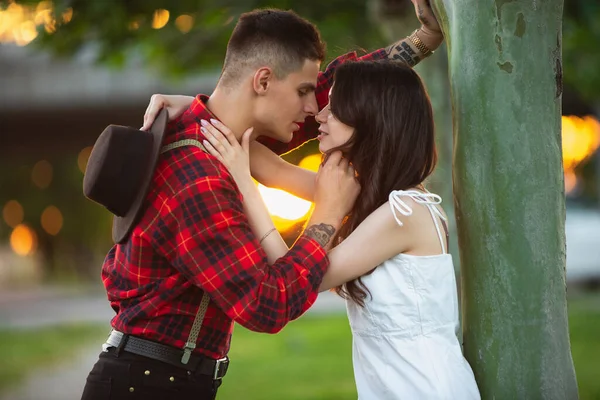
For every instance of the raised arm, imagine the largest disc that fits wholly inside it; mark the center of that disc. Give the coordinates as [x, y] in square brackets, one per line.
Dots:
[335, 186]
[235, 157]
[412, 49]
[214, 247]
[422, 42]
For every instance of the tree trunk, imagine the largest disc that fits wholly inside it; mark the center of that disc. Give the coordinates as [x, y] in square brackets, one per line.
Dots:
[506, 85]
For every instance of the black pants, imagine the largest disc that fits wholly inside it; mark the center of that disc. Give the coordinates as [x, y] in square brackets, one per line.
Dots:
[129, 376]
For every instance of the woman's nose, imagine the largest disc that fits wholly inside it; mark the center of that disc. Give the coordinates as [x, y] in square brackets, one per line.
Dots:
[322, 115]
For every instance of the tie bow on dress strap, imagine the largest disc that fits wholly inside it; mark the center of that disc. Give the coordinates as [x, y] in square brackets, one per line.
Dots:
[397, 204]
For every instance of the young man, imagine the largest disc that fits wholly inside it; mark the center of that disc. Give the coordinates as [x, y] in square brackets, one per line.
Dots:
[193, 238]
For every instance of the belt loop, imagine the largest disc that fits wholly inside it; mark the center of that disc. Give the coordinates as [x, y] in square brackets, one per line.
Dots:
[122, 344]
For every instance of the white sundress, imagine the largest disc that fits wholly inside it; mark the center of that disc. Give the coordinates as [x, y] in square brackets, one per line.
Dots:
[404, 339]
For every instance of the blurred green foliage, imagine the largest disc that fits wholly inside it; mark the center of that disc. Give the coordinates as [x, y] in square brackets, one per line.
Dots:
[581, 49]
[345, 24]
[120, 29]
[84, 237]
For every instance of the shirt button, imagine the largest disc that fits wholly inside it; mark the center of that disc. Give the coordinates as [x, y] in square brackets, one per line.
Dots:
[131, 389]
[147, 372]
[172, 379]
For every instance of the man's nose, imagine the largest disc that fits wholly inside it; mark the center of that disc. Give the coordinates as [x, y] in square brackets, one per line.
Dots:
[311, 107]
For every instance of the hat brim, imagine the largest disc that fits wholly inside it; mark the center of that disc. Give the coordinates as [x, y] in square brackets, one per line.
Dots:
[122, 226]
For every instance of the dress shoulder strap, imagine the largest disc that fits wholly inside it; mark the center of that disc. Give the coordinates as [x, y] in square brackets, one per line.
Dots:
[430, 200]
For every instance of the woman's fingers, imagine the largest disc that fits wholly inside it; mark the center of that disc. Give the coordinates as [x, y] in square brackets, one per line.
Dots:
[216, 137]
[223, 150]
[209, 147]
[225, 131]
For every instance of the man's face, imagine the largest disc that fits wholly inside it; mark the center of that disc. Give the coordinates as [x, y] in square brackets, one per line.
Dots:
[287, 102]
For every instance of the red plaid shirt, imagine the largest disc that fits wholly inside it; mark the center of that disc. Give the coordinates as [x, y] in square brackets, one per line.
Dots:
[193, 236]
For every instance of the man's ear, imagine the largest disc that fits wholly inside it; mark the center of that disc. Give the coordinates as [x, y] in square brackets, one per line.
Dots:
[262, 79]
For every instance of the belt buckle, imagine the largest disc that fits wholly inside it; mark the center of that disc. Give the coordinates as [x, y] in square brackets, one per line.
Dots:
[218, 367]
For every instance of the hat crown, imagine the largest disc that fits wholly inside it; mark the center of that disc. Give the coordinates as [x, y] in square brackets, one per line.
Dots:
[117, 166]
[120, 170]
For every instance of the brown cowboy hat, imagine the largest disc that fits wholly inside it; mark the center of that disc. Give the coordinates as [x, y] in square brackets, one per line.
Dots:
[120, 169]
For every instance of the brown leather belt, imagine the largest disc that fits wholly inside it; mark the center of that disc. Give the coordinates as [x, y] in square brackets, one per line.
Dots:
[170, 355]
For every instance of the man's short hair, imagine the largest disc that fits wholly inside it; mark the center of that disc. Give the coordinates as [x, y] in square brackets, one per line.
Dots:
[278, 39]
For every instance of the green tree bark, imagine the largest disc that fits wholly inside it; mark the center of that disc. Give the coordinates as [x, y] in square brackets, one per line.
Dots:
[506, 85]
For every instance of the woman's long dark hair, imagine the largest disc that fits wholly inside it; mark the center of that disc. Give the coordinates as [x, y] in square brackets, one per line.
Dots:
[393, 144]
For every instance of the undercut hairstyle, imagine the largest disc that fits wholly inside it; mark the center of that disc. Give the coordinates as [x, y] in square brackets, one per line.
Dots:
[281, 40]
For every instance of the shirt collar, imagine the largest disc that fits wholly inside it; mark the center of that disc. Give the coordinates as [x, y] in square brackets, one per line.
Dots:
[187, 126]
[199, 109]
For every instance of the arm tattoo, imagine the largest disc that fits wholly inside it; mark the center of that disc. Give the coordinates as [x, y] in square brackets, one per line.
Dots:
[322, 233]
[403, 52]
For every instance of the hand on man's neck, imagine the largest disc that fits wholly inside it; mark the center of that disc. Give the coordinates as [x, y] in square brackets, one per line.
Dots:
[232, 108]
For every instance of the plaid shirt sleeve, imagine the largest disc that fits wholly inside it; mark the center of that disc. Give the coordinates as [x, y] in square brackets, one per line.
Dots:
[214, 247]
[309, 130]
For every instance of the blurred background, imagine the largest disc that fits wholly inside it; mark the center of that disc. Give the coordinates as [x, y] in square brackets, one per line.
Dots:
[69, 68]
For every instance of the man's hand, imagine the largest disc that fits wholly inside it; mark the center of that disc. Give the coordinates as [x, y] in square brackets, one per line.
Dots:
[429, 24]
[413, 50]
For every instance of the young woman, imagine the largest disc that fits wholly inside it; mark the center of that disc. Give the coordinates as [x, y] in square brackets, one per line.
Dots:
[391, 261]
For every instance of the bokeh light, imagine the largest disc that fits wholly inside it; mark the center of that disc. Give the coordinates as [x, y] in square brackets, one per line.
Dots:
[184, 23]
[13, 213]
[160, 19]
[23, 240]
[580, 139]
[52, 220]
[41, 174]
[19, 23]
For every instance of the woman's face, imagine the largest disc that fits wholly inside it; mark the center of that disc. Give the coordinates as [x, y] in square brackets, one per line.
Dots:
[333, 133]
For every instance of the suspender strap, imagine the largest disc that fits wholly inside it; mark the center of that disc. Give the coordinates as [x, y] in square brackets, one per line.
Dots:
[181, 143]
[190, 344]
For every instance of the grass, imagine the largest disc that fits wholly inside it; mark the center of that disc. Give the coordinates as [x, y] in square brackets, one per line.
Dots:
[584, 326]
[24, 350]
[309, 359]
